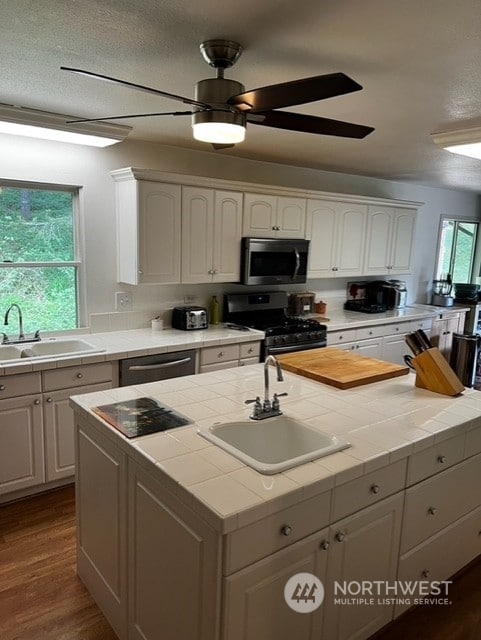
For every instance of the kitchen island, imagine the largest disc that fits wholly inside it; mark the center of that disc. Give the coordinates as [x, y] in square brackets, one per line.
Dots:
[177, 539]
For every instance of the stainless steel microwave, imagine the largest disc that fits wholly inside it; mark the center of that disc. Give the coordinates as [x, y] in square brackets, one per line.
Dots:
[274, 261]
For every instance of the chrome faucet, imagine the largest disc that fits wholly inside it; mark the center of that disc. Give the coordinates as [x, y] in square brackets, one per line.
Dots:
[21, 335]
[268, 408]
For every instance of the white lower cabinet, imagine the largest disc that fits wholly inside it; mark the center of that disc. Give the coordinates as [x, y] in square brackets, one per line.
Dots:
[228, 356]
[364, 548]
[254, 603]
[21, 443]
[37, 431]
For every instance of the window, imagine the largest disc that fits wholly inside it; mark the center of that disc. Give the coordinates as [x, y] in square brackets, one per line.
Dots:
[38, 255]
[457, 249]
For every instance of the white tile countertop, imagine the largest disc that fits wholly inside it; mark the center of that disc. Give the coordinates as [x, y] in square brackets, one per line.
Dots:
[385, 422]
[116, 345]
[341, 320]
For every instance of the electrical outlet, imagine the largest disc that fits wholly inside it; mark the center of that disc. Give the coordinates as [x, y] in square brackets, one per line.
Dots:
[123, 301]
[189, 299]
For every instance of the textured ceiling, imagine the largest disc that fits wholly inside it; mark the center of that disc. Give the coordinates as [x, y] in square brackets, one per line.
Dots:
[418, 61]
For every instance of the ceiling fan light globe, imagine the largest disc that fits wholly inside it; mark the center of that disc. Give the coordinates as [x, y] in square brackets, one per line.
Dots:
[219, 132]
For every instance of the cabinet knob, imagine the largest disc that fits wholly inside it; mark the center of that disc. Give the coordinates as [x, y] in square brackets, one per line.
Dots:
[426, 573]
[49, 400]
[375, 488]
[441, 459]
[324, 545]
[2, 387]
[220, 354]
[286, 530]
[79, 375]
[432, 511]
[251, 350]
[340, 535]
[334, 269]
[37, 401]
[140, 271]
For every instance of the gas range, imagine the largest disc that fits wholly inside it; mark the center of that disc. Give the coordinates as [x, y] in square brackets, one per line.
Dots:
[267, 312]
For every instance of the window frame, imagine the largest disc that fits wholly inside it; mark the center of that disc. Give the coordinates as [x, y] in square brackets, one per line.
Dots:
[78, 241]
[459, 219]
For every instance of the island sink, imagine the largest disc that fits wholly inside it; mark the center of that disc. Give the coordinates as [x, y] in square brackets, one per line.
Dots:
[273, 445]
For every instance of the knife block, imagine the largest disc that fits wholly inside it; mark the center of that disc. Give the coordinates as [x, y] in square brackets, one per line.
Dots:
[434, 373]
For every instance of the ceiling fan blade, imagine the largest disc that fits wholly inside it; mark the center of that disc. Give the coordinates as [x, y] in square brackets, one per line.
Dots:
[139, 87]
[289, 94]
[309, 124]
[133, 115]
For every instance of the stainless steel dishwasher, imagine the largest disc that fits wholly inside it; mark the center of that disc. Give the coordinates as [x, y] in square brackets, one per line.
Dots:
[159, 367]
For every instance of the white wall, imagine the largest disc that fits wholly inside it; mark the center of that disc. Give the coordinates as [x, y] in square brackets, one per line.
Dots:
[40, 161]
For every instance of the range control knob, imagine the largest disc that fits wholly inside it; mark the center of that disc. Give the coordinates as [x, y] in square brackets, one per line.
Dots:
[298, 337]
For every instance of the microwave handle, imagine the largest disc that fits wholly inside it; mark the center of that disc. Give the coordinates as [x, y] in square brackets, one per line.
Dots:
[298, 263]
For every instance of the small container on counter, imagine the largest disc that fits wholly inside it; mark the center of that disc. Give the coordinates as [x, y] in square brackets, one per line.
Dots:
[157, 324]
[214, 311]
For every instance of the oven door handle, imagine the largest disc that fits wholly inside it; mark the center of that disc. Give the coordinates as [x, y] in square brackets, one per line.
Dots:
[298, 263]
[164, 365]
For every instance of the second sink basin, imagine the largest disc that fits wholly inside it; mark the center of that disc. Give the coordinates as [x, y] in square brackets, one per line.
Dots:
[273, 445]
[58, 348]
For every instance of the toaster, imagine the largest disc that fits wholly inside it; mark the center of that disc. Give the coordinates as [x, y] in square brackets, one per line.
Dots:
[189, 318]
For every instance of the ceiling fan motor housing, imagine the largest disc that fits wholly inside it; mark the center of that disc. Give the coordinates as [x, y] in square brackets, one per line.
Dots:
[216, 92]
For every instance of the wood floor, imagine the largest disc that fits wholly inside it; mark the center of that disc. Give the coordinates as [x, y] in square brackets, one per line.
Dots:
[41, 597]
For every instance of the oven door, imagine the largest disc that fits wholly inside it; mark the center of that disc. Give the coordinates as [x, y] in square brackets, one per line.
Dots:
[277, 350]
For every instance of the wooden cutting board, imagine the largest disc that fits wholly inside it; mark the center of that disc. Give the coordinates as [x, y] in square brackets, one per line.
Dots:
[341, 369]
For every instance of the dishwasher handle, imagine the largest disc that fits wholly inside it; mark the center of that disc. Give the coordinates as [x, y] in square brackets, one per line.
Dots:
[163, 365]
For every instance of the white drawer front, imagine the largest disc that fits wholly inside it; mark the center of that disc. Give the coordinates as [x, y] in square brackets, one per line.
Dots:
[361, 492]
[425, 324]
[260, 539]
[395, 329]
[364, 333]
[218, 366]
[435, 459]
[438, 501]
[22, 384]
[249, 349]
[211, 355]
[339, 337]
[77, 376]
[245, 361]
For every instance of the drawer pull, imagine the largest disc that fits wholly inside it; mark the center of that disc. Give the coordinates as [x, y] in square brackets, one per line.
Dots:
[325, 545]
[340, 535]
[286, 530]
[79, 375]
[441, 459]
[49, 399]
[220, 354]
[37, 401]
[375, 488]
[2, 387]
[426, 573]
[251, 350]
[432, 511]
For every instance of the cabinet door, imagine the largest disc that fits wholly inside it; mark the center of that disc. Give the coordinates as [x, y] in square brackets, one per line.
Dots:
[227, 236]
[370, 348]
[173, 566]
[402, 241]
[350, 239]
[378, 242]
[197, 234]
[159, 233]
[364, 547]
[291, 217]
[21, 443]
[254, 604]
[59, 431]
[259, 219]
[394, 348]
[321, 231]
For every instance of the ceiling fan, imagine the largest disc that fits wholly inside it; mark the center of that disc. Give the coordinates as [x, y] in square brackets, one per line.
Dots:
[222, 108]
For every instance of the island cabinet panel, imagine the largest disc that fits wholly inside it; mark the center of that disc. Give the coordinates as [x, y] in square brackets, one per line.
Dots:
[101, 476]
[254, 604]
[364, 548]
[174, 564]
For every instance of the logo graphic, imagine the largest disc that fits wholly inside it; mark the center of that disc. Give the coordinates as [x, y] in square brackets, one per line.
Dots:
[304, 592]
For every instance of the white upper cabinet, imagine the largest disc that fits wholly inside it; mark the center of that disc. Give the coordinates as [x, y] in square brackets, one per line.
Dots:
[211, 235]
[337, 231]
[148, 232]
[390, 238]
[267, 216]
